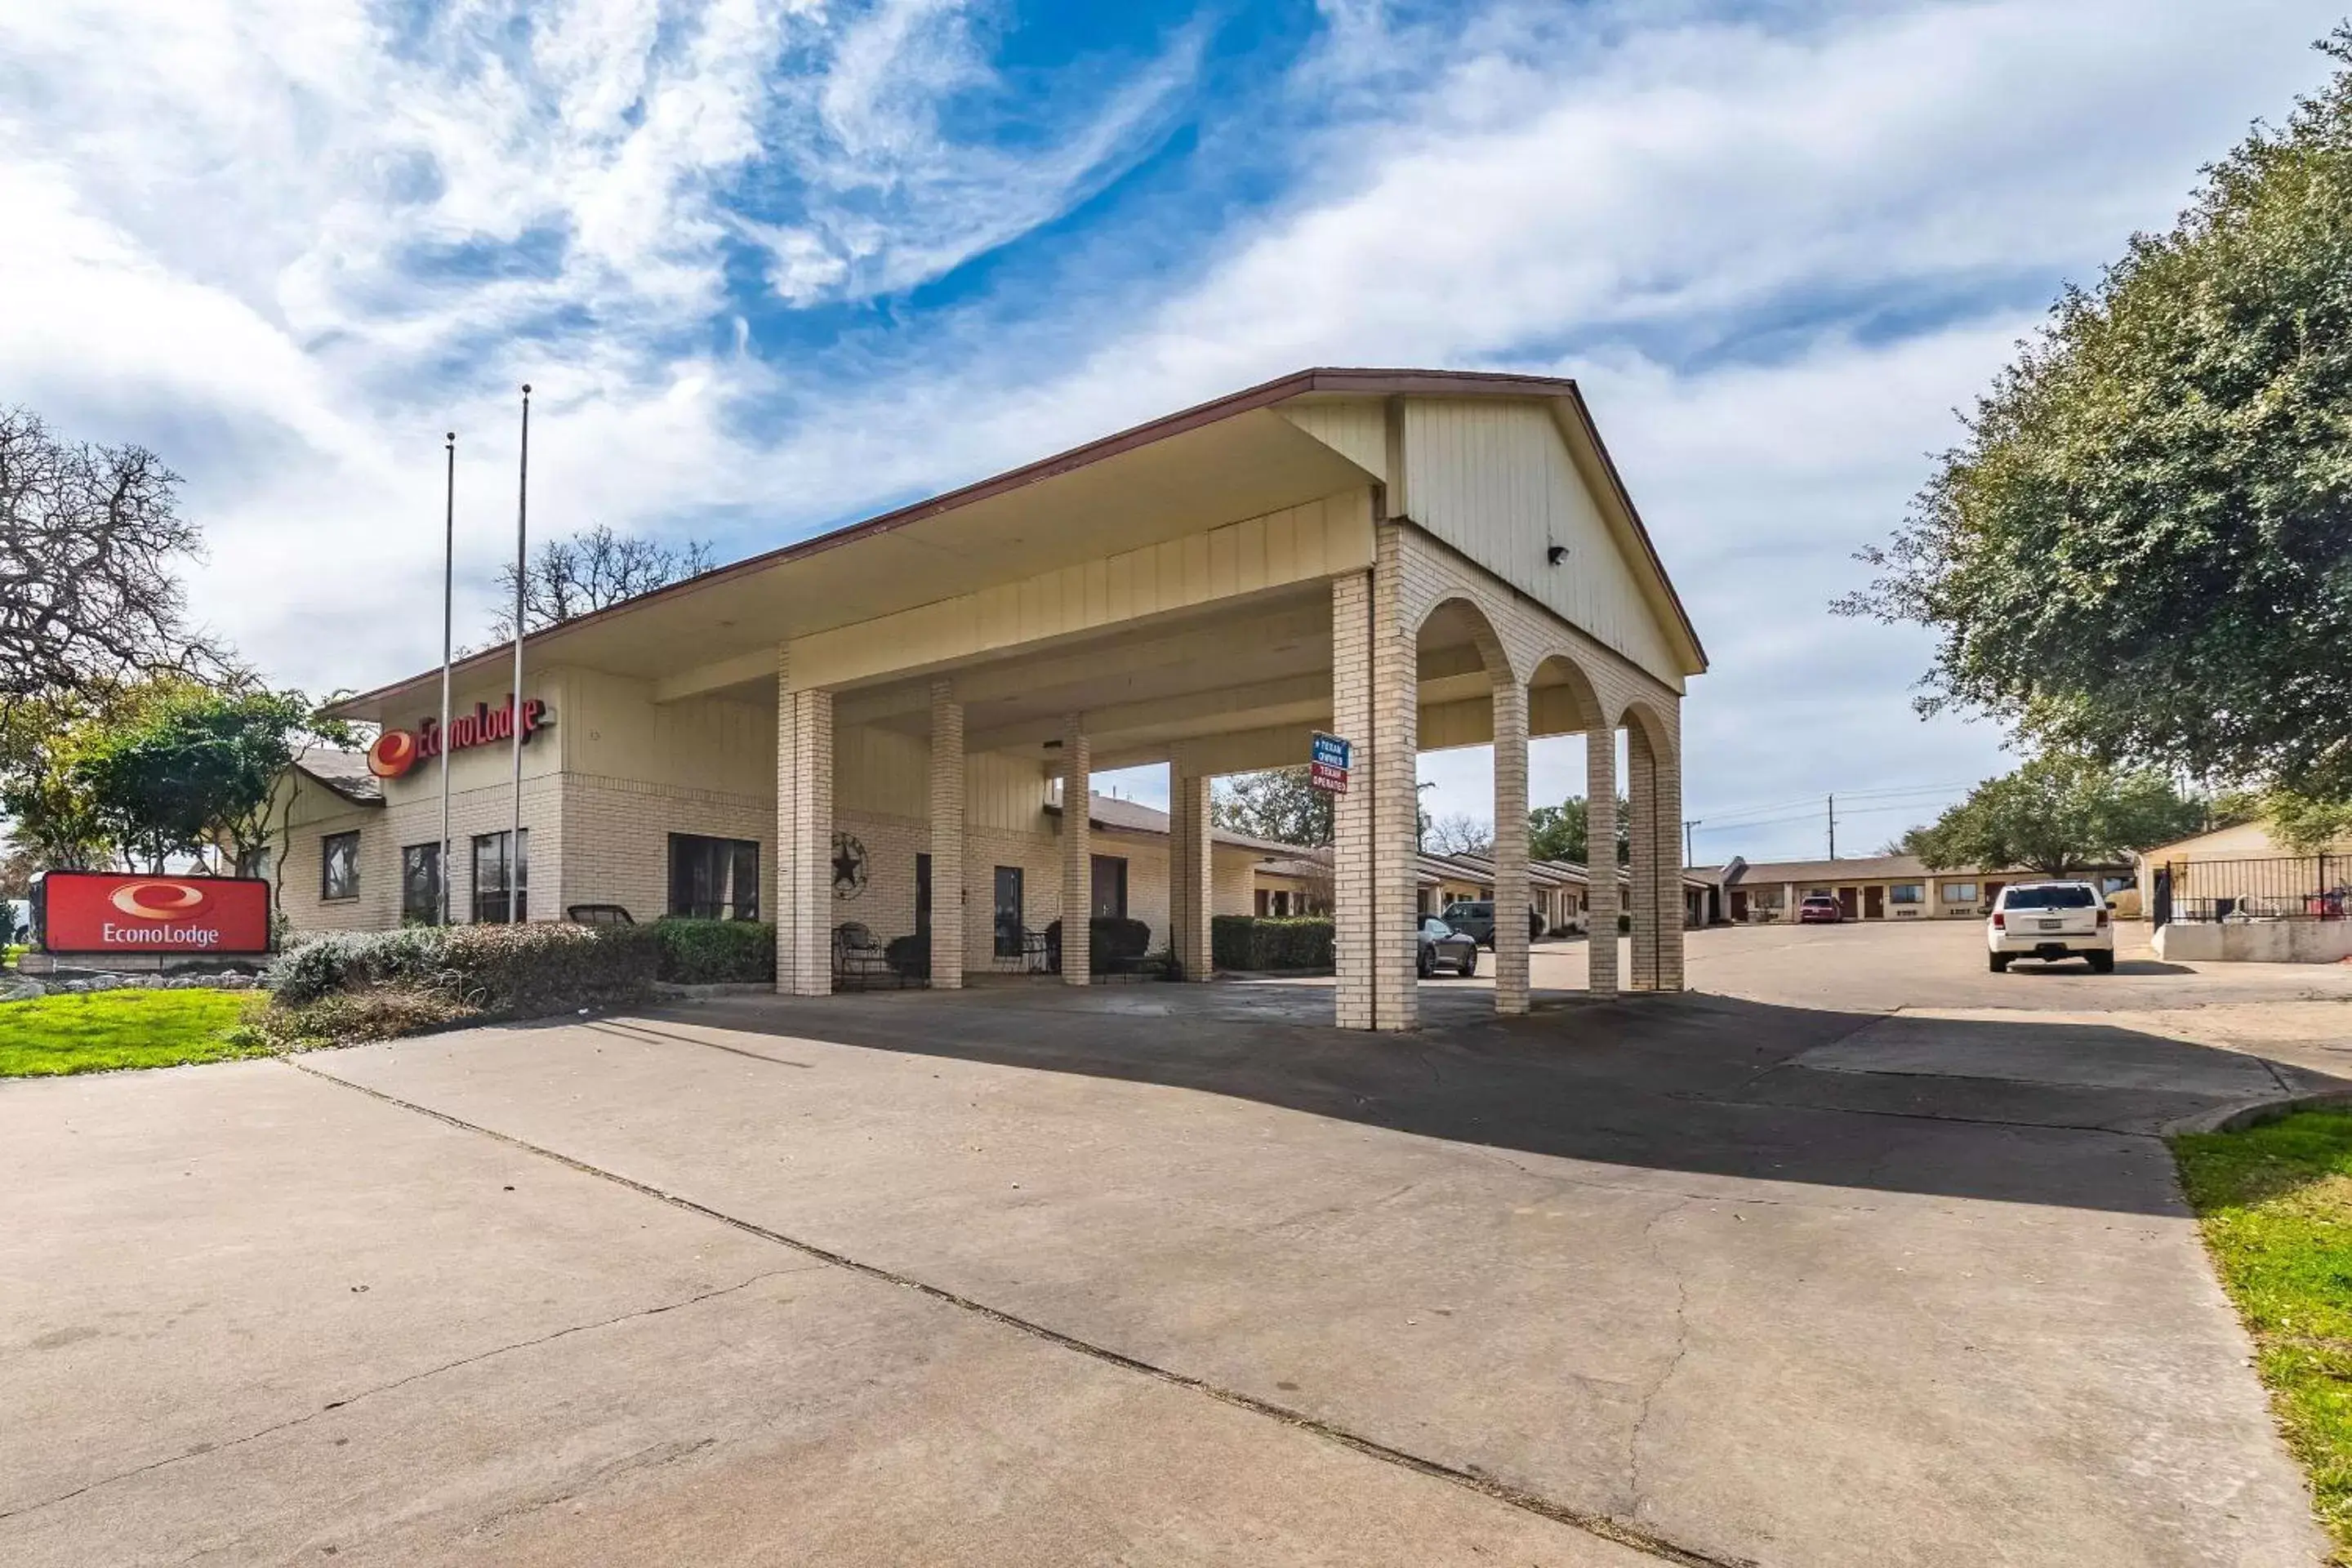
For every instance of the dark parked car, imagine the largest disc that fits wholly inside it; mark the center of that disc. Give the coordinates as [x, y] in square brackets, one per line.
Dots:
[1476, 920]
[1819, 910]
[1443, 947]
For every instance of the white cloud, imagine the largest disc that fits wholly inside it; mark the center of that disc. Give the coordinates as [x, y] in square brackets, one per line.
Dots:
[1775, 250]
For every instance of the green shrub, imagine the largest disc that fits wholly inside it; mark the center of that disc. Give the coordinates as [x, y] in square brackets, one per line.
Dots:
[709, 953]
[1109, 938]
[1246, 942]
[513, 971]
[354, 960]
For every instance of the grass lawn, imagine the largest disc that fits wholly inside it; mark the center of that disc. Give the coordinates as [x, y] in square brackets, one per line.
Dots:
[92, 1031]
[2276, 1204]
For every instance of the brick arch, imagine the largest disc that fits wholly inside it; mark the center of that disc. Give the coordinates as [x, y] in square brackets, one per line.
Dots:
[1584, 689]
[1493, 652]
[1639, 717]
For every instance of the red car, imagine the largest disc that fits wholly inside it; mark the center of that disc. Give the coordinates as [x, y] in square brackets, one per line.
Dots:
[1818, 910]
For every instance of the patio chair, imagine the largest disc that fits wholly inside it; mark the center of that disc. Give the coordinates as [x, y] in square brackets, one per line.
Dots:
[859, 959]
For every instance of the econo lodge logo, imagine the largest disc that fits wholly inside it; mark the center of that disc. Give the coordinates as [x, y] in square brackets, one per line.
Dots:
[158, 901]
[393, 755]
[394, 752]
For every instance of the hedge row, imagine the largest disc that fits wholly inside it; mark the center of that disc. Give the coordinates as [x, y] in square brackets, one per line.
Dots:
[513, 971]
[708, 953]
[1245, 942]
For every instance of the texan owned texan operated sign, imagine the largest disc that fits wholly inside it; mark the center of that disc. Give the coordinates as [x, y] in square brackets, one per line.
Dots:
[1326, 768]
[108, 912]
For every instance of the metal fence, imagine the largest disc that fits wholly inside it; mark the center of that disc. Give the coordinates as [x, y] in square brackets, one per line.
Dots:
[2288, 887]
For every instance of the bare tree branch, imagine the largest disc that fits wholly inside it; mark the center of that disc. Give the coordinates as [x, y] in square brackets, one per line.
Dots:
[590, 570]
[88, 539]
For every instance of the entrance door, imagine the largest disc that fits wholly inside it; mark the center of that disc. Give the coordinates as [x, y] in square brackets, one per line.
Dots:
[1874, 903]
[1846, 902]
[1008, 912]
[1992, 893]
[1738, 906]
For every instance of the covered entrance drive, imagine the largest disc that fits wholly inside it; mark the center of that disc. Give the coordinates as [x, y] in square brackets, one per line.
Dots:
[1407, 559]
[1459, 581]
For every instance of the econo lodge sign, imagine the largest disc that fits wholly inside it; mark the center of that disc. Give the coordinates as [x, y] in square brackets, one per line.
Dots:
[108, 911]
[397, 751]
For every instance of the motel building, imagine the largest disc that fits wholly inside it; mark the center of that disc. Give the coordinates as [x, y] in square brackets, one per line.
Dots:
[882, 726]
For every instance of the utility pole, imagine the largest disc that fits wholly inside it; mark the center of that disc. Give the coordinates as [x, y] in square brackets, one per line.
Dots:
[1832, 828]
[1690, 856]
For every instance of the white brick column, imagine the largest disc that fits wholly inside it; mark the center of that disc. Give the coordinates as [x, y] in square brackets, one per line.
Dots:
[1600, 861]
[803, 840]
[1642, 799]
[1510, 844]
[1077, 854]
[1351, 815]
[1396, 801]
[947, 837]
[1190, 857]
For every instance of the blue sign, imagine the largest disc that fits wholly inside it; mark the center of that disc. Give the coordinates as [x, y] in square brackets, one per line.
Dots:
[1330, 750]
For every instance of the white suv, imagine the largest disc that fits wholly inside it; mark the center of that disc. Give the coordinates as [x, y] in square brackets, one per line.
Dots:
[2050, 920]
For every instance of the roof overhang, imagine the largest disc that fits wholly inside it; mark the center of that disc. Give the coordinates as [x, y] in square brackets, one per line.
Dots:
[1218, 462]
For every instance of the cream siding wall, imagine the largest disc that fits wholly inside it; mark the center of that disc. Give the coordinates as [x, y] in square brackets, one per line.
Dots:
[1296, 544]
[1495, 479]
[1355, 428]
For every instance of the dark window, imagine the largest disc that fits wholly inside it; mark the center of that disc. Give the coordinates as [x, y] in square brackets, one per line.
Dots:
[420, 884]
[922, 895]
[2060, 898]
[1110, 888]
[496, 875]
[714, 879]
[339, 866]
[1008, 912]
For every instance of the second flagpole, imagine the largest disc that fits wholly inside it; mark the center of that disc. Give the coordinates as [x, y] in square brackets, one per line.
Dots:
[515, 872]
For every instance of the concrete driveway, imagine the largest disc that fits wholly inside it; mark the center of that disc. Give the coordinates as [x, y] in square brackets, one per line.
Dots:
[1784, 1272]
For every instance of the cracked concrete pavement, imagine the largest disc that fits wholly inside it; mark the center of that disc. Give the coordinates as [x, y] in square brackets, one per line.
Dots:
[1733, 1277]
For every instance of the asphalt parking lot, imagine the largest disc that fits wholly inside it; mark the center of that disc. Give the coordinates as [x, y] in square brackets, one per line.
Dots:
[1856, 1255]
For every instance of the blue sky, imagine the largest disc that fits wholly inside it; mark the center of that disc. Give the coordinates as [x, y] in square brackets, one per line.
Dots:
[777, 264]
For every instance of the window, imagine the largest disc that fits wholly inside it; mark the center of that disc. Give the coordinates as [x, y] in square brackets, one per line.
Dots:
[2057, 896]
[1009, 925]
[712, 878]
[1110, 888]
[339, 866]
[255, 863]
[1959, 892]
[1908, 893]
[492, 905]
[420, 884]
[922, 895]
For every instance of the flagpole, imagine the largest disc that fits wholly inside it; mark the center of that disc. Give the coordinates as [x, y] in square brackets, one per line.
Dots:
[514, 701]
[448, 590]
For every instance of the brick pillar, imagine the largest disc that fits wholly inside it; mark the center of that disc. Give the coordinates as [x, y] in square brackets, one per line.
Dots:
[947, 837]
[1191, 859]
[1641, 798]
[1351, 815]
[1396, 801]
[1077, 854]
[803, 841]
[1510, 844]
[1668, 761]
[1601, 860]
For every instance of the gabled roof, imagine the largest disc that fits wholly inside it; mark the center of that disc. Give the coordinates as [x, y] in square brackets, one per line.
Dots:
[1563, 393]
[345, 773]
